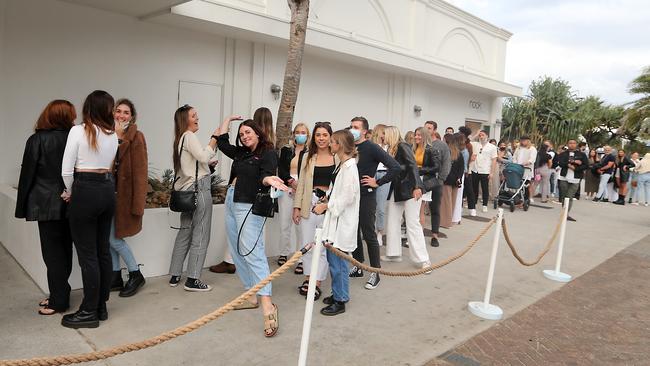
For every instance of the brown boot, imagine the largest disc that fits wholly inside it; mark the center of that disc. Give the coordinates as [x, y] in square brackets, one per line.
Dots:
[223, 267]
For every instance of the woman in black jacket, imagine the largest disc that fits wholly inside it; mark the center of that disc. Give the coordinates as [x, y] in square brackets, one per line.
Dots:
[39, 191]
[622, 174]
[453, 181]
[404, 198]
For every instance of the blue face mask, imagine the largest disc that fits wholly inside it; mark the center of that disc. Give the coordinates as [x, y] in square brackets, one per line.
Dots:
[300, 139]
[356, 134]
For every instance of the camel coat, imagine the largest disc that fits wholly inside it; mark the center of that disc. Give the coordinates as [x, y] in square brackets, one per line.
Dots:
[131, 170]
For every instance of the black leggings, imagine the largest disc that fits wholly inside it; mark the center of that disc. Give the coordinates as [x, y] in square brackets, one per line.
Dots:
[91, 210]
[484, 180]
[367, 212]
[56, 247]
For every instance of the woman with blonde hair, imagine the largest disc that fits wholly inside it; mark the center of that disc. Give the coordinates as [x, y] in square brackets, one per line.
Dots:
[427, 163]
[340, 226]
[382, 191]
[404, 198]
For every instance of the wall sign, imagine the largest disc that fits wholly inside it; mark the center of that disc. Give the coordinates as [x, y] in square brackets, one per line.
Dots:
[476, 105]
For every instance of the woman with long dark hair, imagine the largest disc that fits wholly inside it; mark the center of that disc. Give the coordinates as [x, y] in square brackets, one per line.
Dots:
[90, 190]
[131, 175]
[191, 160]
[38, 199]
[543, 164]
[315, 174]
[253, 171]
[622, 175]
[591, 178]
[453, 180]
[264, 119]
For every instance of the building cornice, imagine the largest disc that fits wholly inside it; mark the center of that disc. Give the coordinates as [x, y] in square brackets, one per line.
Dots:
[466, 17]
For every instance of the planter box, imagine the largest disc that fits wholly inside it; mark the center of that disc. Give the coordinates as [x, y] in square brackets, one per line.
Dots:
[151, 247]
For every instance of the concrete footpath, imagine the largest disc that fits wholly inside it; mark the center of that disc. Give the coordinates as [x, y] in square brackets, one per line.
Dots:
[405, 321]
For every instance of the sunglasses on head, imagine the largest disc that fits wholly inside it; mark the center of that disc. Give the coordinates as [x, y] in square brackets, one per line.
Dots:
[185, 107]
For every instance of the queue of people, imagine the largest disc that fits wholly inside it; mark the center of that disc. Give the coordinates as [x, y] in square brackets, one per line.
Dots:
[86, 187]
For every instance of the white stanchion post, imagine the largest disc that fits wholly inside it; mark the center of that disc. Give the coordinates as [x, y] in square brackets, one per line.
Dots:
[309, 306]
[555, 274]
[484, 309]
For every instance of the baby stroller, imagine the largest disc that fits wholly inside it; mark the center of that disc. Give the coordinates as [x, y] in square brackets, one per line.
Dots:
[513, 188]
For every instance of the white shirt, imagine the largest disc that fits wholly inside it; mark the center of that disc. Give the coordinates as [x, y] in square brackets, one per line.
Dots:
[570, 175]
[78, 153]
[485, 154]
[342, 220]
[525, 156]
[191, 153]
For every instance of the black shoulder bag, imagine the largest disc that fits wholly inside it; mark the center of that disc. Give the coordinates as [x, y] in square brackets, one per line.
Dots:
[184, 201]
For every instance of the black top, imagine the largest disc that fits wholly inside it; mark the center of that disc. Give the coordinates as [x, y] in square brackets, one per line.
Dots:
[250, 169]
[456, 172]
[403, 184]
[605, 160]
[567, 157]
[370, 155]
[430, 168]
[542, 159]
[40, 185]
[323, 175]
[284, 163]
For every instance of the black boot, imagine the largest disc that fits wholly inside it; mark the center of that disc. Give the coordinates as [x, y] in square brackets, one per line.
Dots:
[136, 280]
[117, 283]
[336, 308]
[81, 319]
[102, 311]
[620, 200]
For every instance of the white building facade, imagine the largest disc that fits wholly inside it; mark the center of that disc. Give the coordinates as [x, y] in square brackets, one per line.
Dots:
[382, 59]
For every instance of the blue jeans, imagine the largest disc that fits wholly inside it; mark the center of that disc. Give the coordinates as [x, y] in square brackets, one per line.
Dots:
[382, 197]
[253, 268]
[119, 248]
[643, 187]
[340, 277]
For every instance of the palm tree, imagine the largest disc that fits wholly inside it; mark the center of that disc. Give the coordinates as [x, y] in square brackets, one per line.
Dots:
[299, 17]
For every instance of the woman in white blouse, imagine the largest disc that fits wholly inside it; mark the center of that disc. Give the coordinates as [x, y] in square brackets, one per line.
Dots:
[340, 225]
[191, 160]
[90, 192]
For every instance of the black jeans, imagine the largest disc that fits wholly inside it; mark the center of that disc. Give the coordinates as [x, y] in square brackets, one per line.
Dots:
[56, 248]
[367, 211]
[434, 207]
[484, 180]
[468, 191]
[90, 213]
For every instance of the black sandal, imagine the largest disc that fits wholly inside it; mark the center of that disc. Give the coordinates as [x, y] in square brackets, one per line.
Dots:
[304, 288]
[282, 260]
[299, 270]
[45, 302]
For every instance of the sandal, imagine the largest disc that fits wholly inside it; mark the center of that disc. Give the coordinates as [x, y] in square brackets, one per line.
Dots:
[247, 304]
[47, 311]
[282, 260]
[299, 270]
[304, 288]
[44, 302]
[271, 323]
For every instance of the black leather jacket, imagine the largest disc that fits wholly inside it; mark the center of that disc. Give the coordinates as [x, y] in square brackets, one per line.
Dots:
[40, 185]
[408, 179]
[430, 168]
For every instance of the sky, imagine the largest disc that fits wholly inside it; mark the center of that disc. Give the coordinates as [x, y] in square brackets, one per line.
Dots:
[598, 46]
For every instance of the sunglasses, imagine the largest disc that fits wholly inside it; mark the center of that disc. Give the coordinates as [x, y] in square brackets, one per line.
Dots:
[184, 107]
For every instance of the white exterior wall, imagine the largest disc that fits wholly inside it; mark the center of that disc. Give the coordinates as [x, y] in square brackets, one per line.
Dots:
[55, 49]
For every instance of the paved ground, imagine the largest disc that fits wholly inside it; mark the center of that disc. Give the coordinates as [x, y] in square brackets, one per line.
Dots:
[603, 318]
[403, 322]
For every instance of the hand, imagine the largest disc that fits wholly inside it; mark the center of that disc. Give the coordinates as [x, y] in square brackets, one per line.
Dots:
[234, 118]
[296, 216]
[417, 193]
[577, 162]
[369, 181]
[213, 163]
[275, 182]
[571, 167]
[319, 209]
[65, 196]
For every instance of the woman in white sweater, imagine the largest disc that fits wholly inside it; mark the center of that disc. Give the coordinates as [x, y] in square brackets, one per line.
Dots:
[191, 168]
[341, 223]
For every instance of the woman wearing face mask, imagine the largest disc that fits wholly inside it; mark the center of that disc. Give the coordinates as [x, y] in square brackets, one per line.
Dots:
[288, 171]
[405, 198]
[131, 176]
[191, 160]
[315, 178]
[253, 171]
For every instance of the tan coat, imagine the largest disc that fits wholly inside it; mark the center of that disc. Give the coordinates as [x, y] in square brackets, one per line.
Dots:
[132, 182]
[304, 190]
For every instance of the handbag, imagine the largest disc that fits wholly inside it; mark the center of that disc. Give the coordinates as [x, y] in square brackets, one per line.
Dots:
[184, 200]
[263, 205]
[431, 183]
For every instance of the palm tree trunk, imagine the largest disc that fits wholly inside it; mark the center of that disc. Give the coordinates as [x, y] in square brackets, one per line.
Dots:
[299, 17]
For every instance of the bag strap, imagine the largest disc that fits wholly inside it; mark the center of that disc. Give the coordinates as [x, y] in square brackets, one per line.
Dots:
[240, 230]
[196, 171]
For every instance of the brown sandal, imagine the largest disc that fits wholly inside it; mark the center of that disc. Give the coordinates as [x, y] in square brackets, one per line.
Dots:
[271, 323]
[247, 304]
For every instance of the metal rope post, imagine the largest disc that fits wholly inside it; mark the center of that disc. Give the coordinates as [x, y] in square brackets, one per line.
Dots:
[484, 309]
[555, 274]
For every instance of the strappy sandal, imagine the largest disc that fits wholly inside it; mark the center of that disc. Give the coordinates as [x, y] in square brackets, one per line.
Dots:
[282, 260]
[304, 288]
[271, 323]
[47, 311]
[247, 304]
[299, 270]
[45, 302]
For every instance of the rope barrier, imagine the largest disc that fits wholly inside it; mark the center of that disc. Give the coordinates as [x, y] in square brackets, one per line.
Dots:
[419, 272]
[136, 346]
[541, 255]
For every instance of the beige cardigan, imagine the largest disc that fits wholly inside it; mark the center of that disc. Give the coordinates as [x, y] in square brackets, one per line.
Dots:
[303, 195]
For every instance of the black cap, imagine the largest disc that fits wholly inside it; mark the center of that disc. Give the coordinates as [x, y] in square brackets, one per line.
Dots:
[524, 137]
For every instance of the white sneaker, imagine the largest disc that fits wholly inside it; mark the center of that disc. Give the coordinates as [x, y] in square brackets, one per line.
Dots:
[532, 200]
[425, 265]
[484, 208]
[635, 203]
[472, 212]
[646, 204]
[390, 258]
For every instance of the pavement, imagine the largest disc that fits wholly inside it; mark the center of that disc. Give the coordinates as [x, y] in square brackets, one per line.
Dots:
[405, 321]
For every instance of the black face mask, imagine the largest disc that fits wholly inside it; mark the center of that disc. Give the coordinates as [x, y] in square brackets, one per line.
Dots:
[502, 148]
